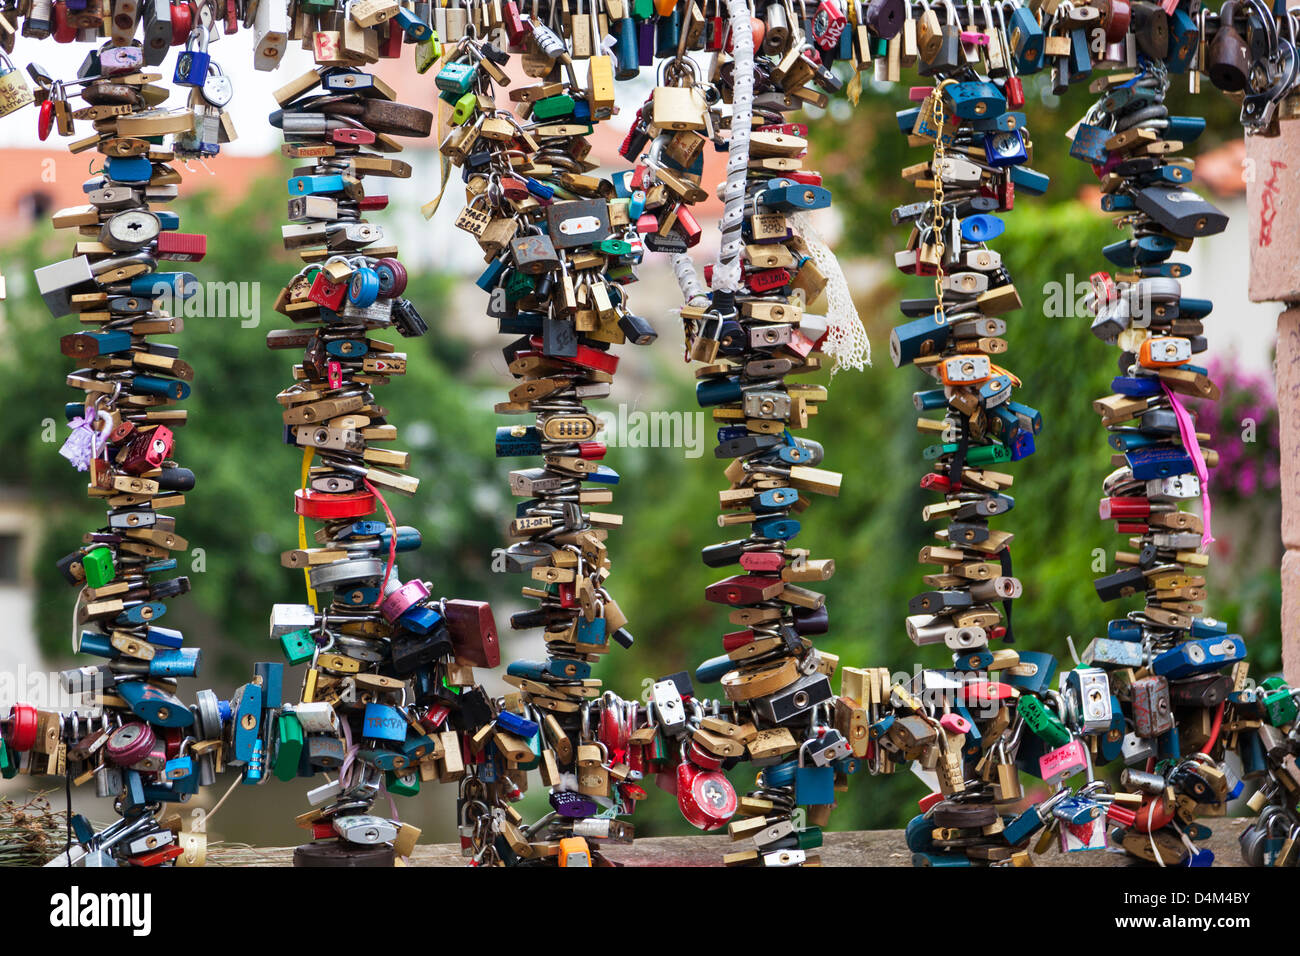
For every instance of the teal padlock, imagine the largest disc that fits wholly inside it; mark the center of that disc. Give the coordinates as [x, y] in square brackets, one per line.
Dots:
[813, 786]
[457, 78]
[298, 646]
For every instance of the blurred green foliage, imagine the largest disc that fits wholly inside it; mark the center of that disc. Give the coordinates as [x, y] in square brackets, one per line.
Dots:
[240, 512]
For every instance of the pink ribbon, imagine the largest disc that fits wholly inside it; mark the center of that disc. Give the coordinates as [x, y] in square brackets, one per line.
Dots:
[1187, 431]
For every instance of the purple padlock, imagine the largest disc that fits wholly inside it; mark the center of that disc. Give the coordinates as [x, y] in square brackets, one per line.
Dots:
[401, 600]
[119, 60]
[567, 803]
[645, 42]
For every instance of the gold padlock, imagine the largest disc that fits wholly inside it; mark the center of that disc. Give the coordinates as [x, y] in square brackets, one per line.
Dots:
[194, 848]
[14, 91]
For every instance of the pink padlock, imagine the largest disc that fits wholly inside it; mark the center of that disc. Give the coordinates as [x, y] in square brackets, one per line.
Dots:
[401, 600]
[954, 723]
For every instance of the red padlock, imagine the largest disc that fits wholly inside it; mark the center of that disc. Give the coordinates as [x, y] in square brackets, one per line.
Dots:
[757, 29]
[65, 30]
[702, 758]
[517, 30]
[737, 639]
[157, 857]
[352, 136]
[22, 727]
[325, 291]
[705, 797]
[181, 246]
[827, 25]
[45, 119]
[324, 506]
[762, 560]
[688, 226]
[390, 47]
[1014, 91]
[147, 450]
[182, 23]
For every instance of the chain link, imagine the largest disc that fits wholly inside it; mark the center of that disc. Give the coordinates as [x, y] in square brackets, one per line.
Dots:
[938, 221]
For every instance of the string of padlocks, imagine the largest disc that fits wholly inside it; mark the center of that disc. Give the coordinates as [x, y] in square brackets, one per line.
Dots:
[130, 732]
[1166, 661]
[390, 682]
[389, 698]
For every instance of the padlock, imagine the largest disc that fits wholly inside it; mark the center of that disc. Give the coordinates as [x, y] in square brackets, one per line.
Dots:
[192, 64]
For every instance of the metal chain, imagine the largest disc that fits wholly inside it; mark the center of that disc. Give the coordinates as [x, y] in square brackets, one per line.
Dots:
[938, 222]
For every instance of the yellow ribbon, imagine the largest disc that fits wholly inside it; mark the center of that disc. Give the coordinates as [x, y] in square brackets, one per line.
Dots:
[307, 455]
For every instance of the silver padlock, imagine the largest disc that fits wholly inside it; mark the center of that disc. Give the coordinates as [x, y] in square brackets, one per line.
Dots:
[291, 617]
[365, 829]
[669, 710]
[217, 88]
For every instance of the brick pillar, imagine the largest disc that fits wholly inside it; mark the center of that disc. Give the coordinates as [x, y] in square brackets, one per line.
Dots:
[1273, 209]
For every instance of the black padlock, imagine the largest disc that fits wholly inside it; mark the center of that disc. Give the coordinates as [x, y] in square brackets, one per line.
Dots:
[1151, 29]
[885, 17]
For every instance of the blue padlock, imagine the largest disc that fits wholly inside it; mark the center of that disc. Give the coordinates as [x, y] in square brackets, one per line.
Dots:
[975, 100]
[164, 637]
[1183, 41]
[778, 528]
[128, 169]
[1027, 41]
[178, 662]
[981, 228]
[416, 29]
[1199, 656]
[1005, 148]
[315, 185]
[382, 722]
[591, 632]
[246, 710]
[1157, 461]
[775, 498]
[711, 671]
[786, 195]
[515, 724]
[192, 65]
[813, 786]
[142, 613]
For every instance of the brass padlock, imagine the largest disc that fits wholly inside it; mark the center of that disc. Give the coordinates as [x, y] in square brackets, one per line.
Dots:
[14, 91]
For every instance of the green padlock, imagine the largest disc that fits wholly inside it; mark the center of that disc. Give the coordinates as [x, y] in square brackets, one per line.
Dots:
[298, 646]
[614, 247]
[1281, 706]
[553, 106]
[519, 285]
[288, 752]
[810, 838]
[98, 565]
[405, 784]
[8, 765]
[535, 745]
[1042, 722]
[463, 109]
[427, 53]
